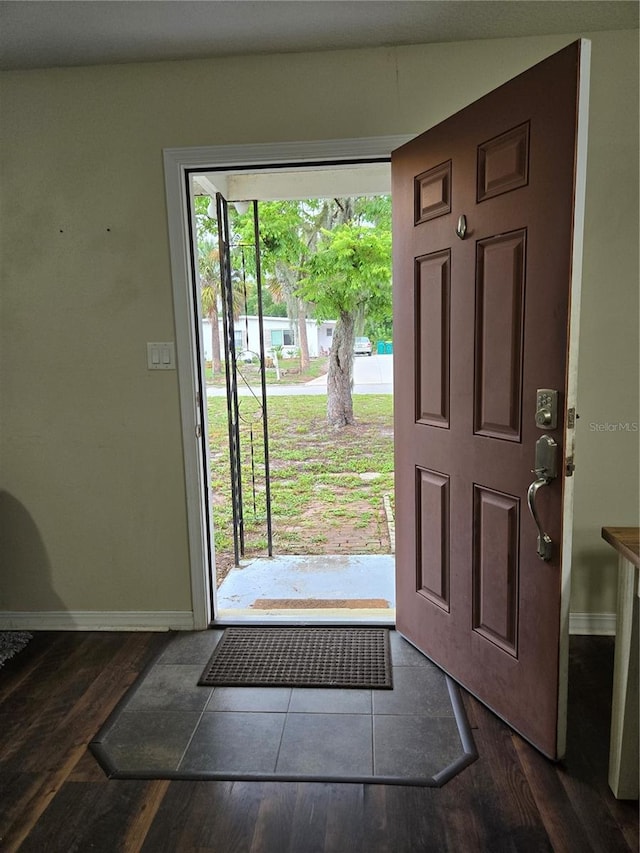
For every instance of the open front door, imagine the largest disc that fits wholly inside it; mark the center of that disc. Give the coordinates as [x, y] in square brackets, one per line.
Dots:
[487, 246]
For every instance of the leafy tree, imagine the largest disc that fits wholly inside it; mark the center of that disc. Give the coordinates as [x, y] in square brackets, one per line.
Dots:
[379, 330]
[349, 277]
[270, 307]
[331, 257]
[287, 232]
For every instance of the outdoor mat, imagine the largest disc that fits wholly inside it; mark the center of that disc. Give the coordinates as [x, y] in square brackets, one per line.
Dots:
[321, 604]
[301, 657]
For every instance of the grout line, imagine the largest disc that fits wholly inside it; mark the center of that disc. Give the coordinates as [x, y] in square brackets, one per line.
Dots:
[195, 729]
[284, 725]
[291, 689]
[373, 739]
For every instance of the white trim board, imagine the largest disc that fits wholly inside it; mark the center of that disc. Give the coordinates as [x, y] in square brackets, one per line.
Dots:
[96, 620]
[593, 624]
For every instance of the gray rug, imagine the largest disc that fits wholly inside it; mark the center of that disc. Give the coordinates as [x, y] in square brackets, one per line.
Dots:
[12, 642]
[348, 657]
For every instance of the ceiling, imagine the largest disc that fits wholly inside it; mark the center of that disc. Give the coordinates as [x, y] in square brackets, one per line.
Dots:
[55, 33]
[304, 182]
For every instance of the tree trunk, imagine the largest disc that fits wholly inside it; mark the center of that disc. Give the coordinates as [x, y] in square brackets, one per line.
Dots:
[215, 340]
[302, 336]
[340, 376]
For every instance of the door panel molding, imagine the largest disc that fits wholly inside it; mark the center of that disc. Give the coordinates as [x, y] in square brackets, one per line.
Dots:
[503, 163]
[432, 193]
[496, 563]
[432, 337]
[499, 335]
[432, 502]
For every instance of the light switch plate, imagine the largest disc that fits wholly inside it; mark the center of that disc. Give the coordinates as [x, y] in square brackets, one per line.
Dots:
[161, 355]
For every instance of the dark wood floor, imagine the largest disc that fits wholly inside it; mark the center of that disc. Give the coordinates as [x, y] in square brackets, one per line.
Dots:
[55, 695]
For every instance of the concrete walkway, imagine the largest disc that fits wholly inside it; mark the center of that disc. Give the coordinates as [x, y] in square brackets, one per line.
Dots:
[371, 375]
[269, 588]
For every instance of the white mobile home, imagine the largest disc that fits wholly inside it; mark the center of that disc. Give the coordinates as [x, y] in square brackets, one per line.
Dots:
[278, 331]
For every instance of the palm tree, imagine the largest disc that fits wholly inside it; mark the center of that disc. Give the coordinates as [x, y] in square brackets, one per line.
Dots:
[209, 268]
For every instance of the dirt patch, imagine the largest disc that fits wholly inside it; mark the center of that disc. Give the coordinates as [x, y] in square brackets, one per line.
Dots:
[310, 534]
[338, 535]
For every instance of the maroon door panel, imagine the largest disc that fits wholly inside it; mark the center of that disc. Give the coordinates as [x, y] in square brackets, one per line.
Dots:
[481, 322]
[499, 299]
[432, 315]
[433, 545]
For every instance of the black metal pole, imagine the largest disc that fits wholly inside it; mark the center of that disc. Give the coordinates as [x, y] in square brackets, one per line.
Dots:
[263, 379]
[231, 379]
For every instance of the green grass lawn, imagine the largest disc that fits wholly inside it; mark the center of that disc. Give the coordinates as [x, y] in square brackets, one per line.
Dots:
[320, 501]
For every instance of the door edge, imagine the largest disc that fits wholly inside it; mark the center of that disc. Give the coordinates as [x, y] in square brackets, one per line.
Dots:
[580, 180]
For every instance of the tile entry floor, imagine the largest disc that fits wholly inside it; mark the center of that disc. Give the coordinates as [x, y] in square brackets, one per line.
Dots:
[169, 727]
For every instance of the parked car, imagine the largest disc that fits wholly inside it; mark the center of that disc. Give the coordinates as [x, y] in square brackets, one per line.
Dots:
[362, 346]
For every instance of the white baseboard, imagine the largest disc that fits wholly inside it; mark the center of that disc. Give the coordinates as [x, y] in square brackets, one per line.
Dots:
[594, 624]
[93, 620]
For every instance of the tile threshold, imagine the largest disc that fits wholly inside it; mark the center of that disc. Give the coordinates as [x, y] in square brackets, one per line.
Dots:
[105, 747]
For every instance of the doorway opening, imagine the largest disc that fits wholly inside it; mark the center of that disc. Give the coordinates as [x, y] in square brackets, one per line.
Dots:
[302, 513]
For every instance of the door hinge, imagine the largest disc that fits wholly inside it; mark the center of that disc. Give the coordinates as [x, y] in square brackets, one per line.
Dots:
[569, 466]
[198, 431]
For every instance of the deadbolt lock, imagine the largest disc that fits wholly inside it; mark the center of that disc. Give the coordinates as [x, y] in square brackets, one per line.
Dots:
[546, 408]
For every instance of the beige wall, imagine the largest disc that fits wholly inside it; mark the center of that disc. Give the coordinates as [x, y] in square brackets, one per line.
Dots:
[93, 512]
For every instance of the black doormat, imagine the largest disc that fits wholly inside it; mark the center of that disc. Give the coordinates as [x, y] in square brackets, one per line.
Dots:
[301, 657]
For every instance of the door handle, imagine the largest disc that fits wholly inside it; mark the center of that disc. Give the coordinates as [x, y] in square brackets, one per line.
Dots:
[545, 471]
[544, 540]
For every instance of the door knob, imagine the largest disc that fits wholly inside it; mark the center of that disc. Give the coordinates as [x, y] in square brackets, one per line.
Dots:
[546, 408]
[543, 418]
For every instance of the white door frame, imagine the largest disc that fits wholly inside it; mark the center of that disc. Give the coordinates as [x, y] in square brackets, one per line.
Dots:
[178, 163]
